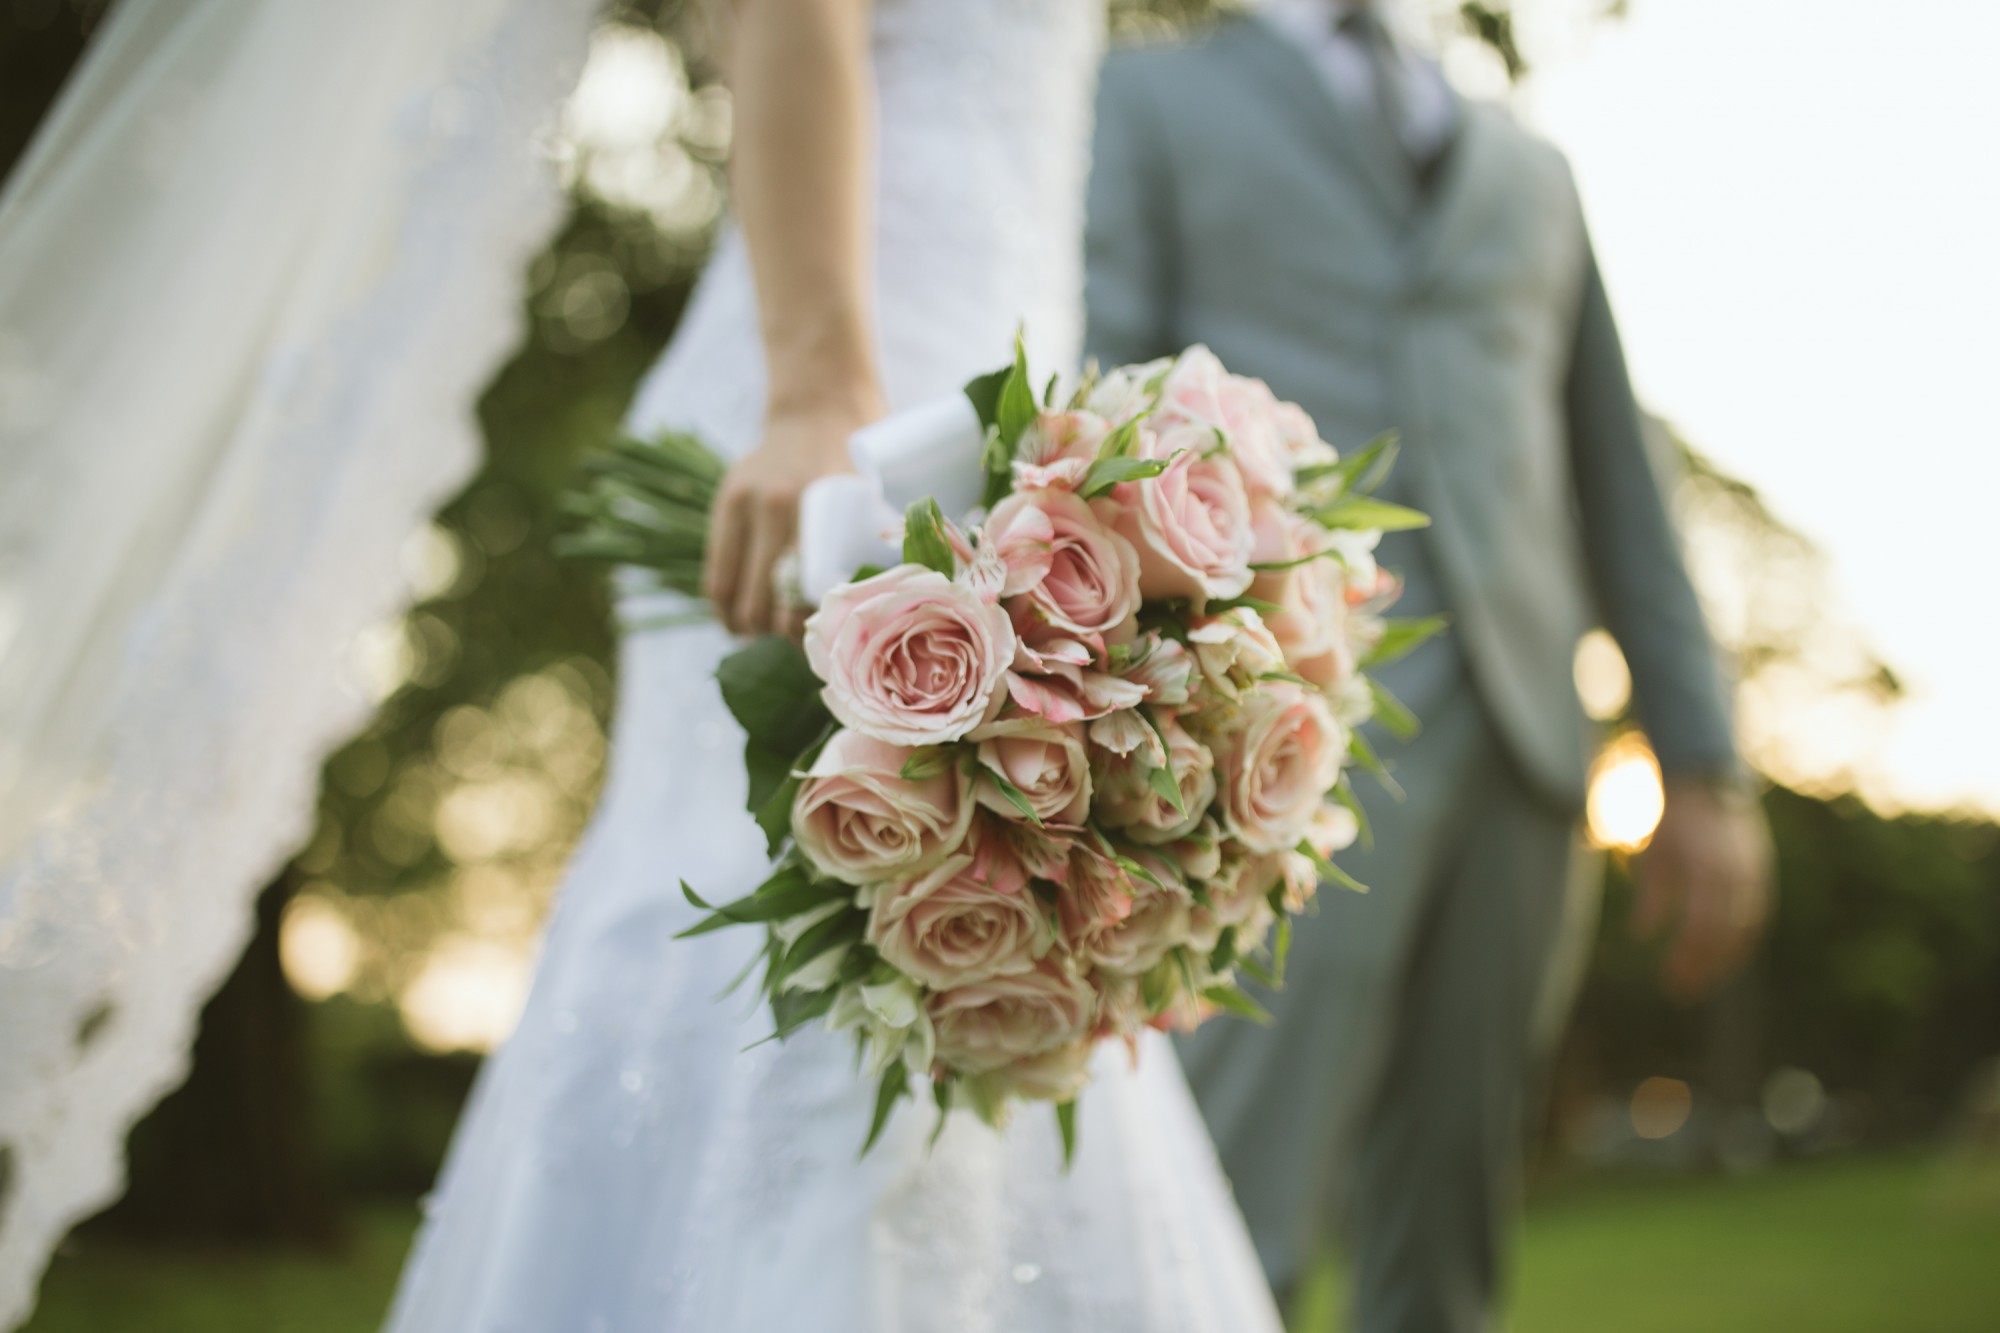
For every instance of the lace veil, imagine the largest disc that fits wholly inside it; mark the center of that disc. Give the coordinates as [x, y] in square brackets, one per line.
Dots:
[253, 273]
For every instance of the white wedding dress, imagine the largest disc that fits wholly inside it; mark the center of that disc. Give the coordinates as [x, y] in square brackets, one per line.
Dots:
[632, 1160]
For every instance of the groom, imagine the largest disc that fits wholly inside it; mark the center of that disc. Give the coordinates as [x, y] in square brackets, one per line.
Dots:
[1303, 193]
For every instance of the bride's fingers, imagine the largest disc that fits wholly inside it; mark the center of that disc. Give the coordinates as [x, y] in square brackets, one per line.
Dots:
[720, 563]
[770, 533]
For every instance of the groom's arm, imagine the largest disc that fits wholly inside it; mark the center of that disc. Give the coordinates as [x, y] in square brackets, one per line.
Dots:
[1641, 581]
[1128, 242]
[1707, 871]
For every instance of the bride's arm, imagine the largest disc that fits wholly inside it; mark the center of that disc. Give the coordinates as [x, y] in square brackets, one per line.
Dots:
[801, 181]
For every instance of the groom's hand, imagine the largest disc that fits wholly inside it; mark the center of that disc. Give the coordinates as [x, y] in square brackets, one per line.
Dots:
[1708, 872]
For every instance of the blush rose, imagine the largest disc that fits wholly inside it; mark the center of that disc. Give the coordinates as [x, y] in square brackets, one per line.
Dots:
[910, 656]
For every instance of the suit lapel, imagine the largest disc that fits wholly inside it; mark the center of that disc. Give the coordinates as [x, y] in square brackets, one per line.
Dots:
[1470, 179]
[1357, 140]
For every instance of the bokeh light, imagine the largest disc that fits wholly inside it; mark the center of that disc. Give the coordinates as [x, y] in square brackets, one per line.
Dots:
[1794, 1101]
[1627, 796]
[318, 946]
[466, 995]
[1660, 1106]
[1603, 681]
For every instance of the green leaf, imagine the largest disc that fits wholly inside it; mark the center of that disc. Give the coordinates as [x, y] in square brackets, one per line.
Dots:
[1361, 471]
[1328, 870]
[1049, 393]
[1184, 961]
[790, 891]
[1399, 637]
[1066, 1125]
[1225, 951]
[924, 542]
[996, 460]
[941, 1095]
[1271, 566]
[1257, 604]
[793, 1009]
[1012, 795]
[1281, 948]
[1365, 513]
[1132, 867]
[838, 929]
[1016, 409]
[774, 696]
[983, 393]
[1163, 785]
[1394, 715]
[1364, 754]
[1236, 1001]
[1108, 472]
[1118, 444]
[927, 761]
[775, 815]
[894, 1087]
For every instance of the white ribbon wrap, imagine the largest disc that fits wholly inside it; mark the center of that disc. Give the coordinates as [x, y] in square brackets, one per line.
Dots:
[849, 520]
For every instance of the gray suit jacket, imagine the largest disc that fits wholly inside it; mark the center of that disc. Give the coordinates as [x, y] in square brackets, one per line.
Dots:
[1234, 203]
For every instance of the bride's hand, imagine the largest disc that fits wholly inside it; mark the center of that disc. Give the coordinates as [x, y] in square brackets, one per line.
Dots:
[756, 514]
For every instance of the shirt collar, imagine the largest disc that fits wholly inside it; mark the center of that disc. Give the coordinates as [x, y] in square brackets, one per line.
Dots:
[1313, 21]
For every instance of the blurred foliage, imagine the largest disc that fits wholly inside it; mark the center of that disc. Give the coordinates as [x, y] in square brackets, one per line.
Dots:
[1880, 980]
[39, 41]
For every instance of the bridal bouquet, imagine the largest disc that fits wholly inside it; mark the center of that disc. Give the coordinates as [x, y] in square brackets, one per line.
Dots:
[1065, 768]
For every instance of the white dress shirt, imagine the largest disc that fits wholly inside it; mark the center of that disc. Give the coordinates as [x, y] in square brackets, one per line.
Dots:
[1313, 26]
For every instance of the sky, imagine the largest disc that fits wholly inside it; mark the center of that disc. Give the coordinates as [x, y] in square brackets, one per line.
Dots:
[1797, 209]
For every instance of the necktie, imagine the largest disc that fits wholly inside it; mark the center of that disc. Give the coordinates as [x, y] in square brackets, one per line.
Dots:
[1363, 26]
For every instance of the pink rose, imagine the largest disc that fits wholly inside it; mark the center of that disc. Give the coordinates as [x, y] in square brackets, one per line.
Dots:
[1090, 586]
[1311, 620]
[1249, 424]
[1299, 437]
[971, 918]
[1155, 922]
[1277, 533]
[988, 1025]
[1278, 765]
[1193, 389]
[1331, 616]
[909, 656]
[858, 819]
[1045, 762]
[1191, 524]
[1126, 798]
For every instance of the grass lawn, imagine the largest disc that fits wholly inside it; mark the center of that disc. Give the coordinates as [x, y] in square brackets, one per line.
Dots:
[1884, 1245]
[1909, 1245]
